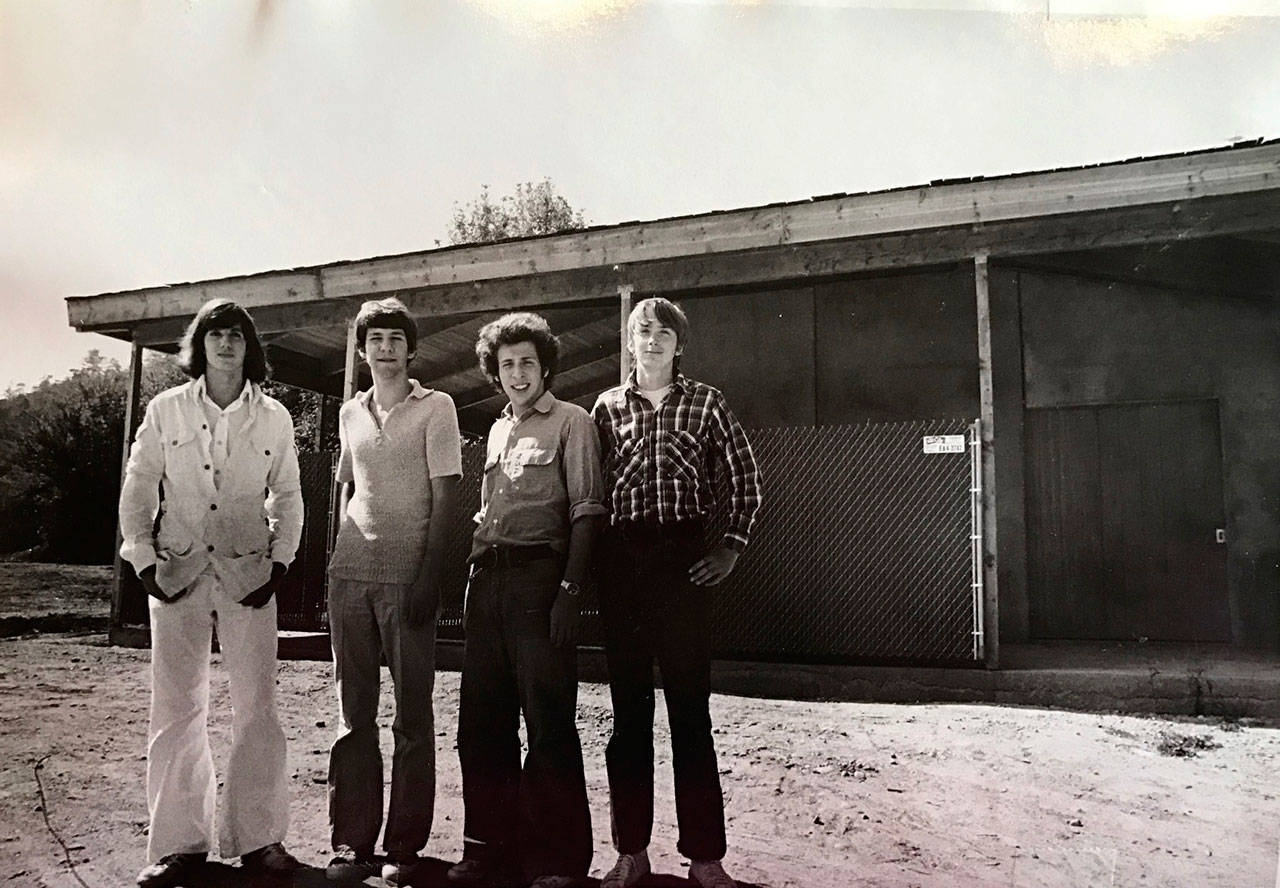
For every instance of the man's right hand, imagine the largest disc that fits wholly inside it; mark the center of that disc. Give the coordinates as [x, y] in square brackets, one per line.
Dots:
[148, 578]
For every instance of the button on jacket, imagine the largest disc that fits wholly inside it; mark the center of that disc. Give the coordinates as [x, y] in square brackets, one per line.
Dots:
[249, 518]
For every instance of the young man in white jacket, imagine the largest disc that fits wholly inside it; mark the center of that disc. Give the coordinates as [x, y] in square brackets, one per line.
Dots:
[229, 525]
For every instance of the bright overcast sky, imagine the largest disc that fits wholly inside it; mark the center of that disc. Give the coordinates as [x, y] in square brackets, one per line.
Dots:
[152, 143]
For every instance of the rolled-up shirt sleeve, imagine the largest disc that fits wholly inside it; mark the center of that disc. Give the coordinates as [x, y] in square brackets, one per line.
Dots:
[284, 499]
[583, 479]
[140, 494]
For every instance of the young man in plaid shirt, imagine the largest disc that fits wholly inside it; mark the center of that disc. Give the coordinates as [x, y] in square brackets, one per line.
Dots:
[664, 438]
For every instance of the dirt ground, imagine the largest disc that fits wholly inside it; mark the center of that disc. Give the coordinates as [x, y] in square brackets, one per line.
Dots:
[817, 794]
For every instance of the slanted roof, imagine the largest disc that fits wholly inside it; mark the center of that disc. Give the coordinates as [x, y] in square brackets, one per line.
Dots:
[1223, 193]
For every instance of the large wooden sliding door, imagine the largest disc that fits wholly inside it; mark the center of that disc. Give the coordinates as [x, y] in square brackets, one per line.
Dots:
[1123, 505]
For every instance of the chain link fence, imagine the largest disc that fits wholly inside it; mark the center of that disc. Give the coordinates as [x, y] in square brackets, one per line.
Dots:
[863, 551]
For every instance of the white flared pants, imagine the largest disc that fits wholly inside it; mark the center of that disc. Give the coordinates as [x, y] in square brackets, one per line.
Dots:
[181, 787]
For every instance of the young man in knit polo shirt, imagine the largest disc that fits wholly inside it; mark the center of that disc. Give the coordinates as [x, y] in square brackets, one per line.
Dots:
[540, 503]
[399, 468]
[665, 439]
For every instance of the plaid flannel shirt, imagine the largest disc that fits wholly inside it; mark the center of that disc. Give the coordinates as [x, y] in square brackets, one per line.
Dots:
[661, 465]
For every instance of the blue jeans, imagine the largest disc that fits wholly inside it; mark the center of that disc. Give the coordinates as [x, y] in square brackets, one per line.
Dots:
[535, 816]
[365, 623]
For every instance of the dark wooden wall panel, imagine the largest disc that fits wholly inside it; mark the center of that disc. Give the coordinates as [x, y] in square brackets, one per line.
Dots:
[898, 347]
[757, 348]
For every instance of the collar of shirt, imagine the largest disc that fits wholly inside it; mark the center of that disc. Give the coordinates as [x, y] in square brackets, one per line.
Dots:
[416, 391]
[201, 391]
[679, 381]
[544, 405]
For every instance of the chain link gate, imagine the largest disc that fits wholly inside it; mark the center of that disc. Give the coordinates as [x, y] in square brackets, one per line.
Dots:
[867, 549]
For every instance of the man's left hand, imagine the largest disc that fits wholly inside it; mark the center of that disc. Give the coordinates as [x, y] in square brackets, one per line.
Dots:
[260, 596]
[714, 566]
[566, 615]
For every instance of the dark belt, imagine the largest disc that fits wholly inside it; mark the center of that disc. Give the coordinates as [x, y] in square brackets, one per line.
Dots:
[510, 556]
[674, 530]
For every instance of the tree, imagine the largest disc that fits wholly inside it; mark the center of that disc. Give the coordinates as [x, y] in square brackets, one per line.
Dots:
[61, 449]
[533, 209]
[60, 463]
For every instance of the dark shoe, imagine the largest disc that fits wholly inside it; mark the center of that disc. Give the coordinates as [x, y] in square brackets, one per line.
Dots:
[709, 874]
[350, 865]
[270, 860]
[474, 873]
[170, 869]
[628, 871]
[400, 870]
[556, 882]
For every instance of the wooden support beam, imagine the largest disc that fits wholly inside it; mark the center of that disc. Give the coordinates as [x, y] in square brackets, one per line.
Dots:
[350, 363]
[624, 308]
[132, 419]
[990, 599]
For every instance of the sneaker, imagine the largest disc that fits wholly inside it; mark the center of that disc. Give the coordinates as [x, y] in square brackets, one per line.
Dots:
[628, 871]
[478, 873]
[350, 865]
[270, 860]
[170, 870]
[400, 870]
[710, 874]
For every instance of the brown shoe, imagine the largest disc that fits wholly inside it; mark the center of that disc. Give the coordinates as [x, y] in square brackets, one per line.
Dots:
[170, 870]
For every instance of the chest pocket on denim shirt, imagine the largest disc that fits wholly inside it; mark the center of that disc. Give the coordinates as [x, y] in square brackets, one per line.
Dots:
[531, 461]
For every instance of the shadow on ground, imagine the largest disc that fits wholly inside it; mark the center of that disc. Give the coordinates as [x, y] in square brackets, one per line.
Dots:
[431, 874]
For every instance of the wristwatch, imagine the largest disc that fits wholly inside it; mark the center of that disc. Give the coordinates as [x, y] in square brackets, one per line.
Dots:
[570, 589]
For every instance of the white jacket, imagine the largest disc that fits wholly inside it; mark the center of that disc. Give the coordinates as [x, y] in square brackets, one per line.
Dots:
[254, 516]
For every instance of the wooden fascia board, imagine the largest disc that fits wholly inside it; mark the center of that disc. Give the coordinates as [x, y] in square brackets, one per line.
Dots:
[967, 204]
[1162, 223]
[183, 300]
[929, 207]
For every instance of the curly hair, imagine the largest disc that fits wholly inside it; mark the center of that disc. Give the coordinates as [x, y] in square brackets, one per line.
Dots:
[520, 326]
[386, 314]
[219, 314]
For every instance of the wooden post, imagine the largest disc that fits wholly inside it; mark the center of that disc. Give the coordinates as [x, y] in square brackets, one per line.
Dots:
[624, 304]
[349, 382]
[990, 598]
[350, 377]
[132, 420]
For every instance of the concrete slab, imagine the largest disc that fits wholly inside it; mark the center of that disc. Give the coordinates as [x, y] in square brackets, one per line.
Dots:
[1153, 679]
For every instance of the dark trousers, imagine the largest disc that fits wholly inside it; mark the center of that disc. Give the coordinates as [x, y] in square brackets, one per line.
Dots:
[536, 816]
[653, 612]
[366, 623]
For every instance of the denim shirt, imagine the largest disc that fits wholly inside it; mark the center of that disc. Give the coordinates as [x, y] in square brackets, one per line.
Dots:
[541, 473]
[239, 526]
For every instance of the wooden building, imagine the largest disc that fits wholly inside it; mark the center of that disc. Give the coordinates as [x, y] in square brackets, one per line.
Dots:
[1116, 329]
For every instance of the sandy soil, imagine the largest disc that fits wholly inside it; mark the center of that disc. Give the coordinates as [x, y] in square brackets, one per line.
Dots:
[53, 597]
[818, 794]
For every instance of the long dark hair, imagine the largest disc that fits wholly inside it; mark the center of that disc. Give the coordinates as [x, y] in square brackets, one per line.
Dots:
[218, 314]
